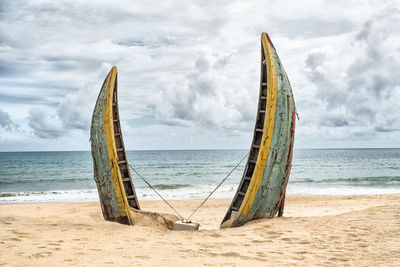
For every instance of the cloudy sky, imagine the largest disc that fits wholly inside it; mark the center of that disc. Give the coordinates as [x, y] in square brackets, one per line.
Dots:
[188, 71]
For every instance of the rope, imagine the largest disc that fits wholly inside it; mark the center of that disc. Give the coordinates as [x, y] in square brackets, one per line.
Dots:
[212, 192]
[144, 180]
[204, 201]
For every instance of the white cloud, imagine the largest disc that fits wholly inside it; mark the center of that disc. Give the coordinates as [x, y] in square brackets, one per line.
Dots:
[45, 124]
[360, 94]
[206, 97]
[192, 69]
[6, 122]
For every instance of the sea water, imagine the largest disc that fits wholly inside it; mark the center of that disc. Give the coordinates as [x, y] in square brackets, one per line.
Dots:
[29, 177]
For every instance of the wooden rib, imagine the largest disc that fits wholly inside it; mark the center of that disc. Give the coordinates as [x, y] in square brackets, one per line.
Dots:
[281, 203]
[109, 187]
[253, 199]
[111, 148]
[123, 164]
[268, 130]
[240, 195]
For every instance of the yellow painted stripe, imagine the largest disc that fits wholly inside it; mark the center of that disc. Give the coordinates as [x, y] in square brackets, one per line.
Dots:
[268, 129]
[111, 148]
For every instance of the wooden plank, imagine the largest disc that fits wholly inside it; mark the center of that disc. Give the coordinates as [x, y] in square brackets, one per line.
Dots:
[268, 130]
[112, 187]
[111, 148]
[266, 190]
[101, 161]
[129, 188]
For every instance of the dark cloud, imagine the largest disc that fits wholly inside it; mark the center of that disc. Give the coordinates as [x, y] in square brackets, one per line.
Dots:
[155, 41]
[5, 70]
[333, 122]
[314, 26]
[12, 68]
[315, 60]
[76, 109]
[6, 122]
[365, 31]
[386, 130]
[55, 55]
[327, 89]
[73, 112]
[45, 124]
[23, 99]
[364, 94]
[201, 99]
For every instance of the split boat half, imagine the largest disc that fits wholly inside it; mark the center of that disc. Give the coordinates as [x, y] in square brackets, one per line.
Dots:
[111, 169]
[261, 192]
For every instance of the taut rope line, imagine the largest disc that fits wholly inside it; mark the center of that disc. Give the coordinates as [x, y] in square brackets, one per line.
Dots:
[212, 192]
[156, 192]
[204, 201]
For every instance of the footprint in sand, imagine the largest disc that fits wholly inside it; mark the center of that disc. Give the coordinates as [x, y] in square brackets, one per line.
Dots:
[273, 233]
[142, 257]
[41, 254]
[333, 259]
[214, 235]
[261, 254]
[234, 254]
[20, 234]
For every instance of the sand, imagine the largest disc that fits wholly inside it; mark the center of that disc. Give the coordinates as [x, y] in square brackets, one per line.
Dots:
[315, 230]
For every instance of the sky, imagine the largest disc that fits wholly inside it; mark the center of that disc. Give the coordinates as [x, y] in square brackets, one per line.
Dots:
[188, 71]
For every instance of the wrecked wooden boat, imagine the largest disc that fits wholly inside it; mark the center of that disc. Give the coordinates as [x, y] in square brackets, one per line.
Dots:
[111, 169]
[261, 192]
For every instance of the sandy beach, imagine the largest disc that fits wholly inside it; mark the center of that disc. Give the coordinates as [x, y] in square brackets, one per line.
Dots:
[315, 230]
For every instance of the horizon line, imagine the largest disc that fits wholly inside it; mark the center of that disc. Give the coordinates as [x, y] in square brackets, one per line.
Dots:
[206, 149]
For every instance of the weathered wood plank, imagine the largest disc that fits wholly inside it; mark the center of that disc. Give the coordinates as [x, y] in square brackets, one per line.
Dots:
[266, 190]
[104, 153]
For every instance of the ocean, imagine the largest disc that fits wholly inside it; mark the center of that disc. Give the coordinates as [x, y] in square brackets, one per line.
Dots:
[31, 177]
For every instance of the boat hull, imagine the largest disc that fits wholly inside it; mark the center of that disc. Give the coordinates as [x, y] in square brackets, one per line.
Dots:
[111, 172]
[261, 192]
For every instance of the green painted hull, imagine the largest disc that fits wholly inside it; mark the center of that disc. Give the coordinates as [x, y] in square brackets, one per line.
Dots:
[261, 192]
[111, 172]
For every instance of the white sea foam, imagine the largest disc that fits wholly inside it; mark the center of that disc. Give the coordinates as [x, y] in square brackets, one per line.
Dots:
[49, 196]
[68, 176]
[190, 192]
[339, 190]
